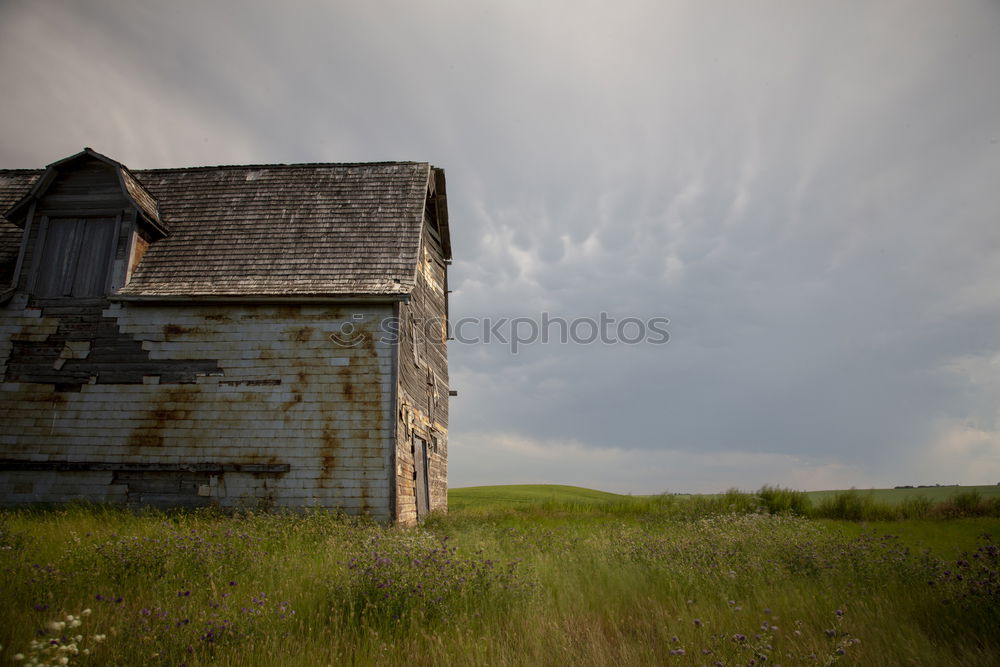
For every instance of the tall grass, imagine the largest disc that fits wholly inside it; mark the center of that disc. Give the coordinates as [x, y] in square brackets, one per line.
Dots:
[646, 581]
[850, 505]
[857, 506]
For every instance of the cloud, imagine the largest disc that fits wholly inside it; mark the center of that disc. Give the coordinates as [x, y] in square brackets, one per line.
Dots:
[959, 453]
[507, 458]
[806, 191]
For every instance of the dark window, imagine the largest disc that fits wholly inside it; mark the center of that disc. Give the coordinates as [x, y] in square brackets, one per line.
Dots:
[76, 257]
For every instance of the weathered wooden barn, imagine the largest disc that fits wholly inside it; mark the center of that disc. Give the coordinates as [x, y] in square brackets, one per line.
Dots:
[234, 335]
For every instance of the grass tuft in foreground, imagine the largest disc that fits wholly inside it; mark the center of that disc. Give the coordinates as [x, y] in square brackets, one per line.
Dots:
[666, 580]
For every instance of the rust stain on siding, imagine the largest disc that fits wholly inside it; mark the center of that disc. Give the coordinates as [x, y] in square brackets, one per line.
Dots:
[302, 334]
[164, 415]
[171, 331]
[162, 410]
[328, 457]
[357, 392]
[144, 437]
[291, 403]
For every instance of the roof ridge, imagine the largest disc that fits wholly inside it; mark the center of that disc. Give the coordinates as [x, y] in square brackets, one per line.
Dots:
[292, 165]
[207, 167]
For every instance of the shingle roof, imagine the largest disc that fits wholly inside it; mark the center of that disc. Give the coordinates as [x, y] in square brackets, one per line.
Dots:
[277, 230]
[140, 195]
[13, 184]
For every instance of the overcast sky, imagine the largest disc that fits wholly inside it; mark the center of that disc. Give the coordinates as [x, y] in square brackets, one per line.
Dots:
[809, 191]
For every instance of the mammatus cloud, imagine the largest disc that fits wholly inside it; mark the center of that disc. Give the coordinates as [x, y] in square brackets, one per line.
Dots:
[806, 191]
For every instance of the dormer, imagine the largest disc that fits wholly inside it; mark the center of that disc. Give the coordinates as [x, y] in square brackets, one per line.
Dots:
[87, 221]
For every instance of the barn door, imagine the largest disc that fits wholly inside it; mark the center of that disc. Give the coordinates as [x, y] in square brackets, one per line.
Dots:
[420, 476]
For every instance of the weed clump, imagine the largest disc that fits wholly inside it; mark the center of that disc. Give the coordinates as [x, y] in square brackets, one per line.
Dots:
[778, 500]
[398, 576]
[854, 506]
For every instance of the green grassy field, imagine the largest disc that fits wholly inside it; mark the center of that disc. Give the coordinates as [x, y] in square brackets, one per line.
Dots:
[928, 502]
[525, 494]
[899, 496]
[555, 576]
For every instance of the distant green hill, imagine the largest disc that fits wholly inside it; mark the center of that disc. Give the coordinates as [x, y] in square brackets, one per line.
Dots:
[898, 496]
[519, 495]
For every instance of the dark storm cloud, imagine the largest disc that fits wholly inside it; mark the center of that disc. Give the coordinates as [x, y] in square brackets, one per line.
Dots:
[806, 191]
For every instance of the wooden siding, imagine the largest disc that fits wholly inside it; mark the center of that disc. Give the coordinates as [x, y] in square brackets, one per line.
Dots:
[423, 383]
[90, 185]
[282, 394]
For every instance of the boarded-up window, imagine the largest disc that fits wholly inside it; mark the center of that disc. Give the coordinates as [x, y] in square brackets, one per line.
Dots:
[76, 257]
